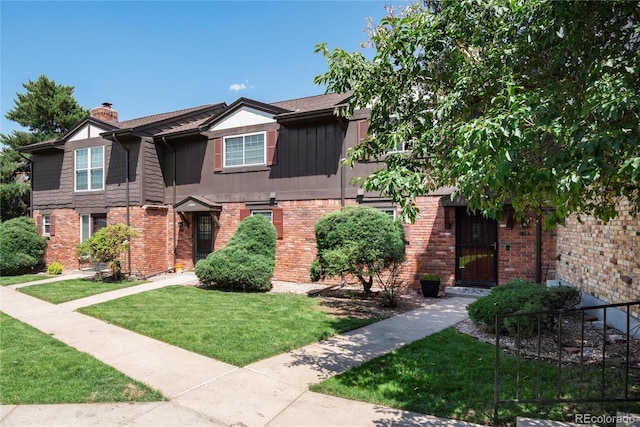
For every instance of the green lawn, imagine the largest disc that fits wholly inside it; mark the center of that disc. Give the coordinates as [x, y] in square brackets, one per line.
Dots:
[237, 328]
[14, 280]
[450, 375]
[37, 369]
[68, 290]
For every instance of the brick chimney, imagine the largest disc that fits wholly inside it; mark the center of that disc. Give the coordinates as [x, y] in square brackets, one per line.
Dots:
[105, 113]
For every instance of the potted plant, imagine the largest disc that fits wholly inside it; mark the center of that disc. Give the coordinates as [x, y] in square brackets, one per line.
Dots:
[430, 284]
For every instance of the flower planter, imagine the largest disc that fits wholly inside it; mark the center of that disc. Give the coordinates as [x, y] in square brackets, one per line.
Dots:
[430, 288]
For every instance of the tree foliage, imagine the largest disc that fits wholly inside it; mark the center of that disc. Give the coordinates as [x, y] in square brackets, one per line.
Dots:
[21, 246]
[357, 240]
[47, 110]
[533, 103]
[107, 245]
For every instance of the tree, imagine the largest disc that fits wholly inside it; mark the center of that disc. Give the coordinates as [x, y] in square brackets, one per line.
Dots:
[532, 103]
[360, 240]
[47, 110]
[107, 244]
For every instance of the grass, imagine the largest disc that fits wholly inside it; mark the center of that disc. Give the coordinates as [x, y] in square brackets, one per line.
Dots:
[14, 280]
[37, 369]
[450, 375]
[68, 290]
[237, 328]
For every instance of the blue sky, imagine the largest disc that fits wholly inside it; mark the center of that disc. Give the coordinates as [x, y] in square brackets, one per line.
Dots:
[147, 57]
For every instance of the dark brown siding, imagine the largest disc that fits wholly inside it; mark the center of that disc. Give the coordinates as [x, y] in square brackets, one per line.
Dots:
[153, 180]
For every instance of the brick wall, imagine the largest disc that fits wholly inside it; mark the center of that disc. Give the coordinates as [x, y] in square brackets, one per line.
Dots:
[150, 252]
[602, 259]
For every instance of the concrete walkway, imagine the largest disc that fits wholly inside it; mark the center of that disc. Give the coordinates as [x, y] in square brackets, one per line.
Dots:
[204, 391]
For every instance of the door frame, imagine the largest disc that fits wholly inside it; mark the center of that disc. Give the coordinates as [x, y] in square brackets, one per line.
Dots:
[462, 215]
[196, 231]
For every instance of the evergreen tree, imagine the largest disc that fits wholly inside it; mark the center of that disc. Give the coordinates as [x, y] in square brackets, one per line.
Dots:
[47, 110]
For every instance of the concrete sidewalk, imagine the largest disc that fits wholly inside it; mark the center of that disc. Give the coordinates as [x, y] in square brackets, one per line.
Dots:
[203, 391]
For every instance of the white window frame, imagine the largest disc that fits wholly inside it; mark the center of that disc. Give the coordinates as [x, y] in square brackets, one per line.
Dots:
[267, 213]
[391, 211]
[46, 224]
[243, 136]
[91, 219]
[88, 169]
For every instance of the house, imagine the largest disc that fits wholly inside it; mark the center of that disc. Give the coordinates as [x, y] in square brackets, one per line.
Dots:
[185, 179]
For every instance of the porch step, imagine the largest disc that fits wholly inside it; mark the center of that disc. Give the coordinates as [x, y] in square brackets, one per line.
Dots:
[463, 291]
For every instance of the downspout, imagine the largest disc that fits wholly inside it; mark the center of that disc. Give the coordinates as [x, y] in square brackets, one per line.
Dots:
[173, 183]
[128, 199]
[538, 249]
[30, 182]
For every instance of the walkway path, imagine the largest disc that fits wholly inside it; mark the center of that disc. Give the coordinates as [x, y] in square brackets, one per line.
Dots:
[203, 391]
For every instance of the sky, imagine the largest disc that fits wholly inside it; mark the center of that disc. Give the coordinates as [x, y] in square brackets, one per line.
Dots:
[148, 57]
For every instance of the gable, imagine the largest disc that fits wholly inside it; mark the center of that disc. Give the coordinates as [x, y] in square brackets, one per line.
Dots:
[245, 116]
[87, 131]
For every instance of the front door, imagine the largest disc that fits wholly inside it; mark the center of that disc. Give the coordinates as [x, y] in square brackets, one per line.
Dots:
[476, 249]
[204, 236]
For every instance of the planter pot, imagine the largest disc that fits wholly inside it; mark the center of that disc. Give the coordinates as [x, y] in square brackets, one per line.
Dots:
[179, 268]
[430, 288]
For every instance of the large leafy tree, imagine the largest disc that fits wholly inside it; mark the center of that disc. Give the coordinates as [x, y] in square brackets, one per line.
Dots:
[528, 102]
[47, 110]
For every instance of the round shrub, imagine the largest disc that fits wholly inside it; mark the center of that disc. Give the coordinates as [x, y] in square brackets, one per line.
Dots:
[21, 247]
[55, 268]
[520, 296]
[246, 263]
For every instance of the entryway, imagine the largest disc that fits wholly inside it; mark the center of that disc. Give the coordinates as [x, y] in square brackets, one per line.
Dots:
[204, 236]
[476, 249]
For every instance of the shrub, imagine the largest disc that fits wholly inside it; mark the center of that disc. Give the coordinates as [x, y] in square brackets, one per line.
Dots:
[55, 268]
[520, 296]
[107, 244]
[360, 240]
[247, 262]
[21, 246]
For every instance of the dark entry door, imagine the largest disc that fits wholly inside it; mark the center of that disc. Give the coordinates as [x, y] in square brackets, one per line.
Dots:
[476, 249]
[204, 236]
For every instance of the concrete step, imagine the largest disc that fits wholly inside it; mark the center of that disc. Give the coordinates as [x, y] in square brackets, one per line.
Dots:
[464, 291]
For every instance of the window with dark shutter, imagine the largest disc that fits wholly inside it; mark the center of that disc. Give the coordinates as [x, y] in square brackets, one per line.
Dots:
[363, 128]
[272, 154]
[217, 155]
[278, 221]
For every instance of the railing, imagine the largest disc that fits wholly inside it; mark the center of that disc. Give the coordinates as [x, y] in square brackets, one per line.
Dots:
[613, 376]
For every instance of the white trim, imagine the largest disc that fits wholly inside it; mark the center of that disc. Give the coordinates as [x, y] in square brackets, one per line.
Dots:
[245, 116]
[243, 135]
[46, 222]
[390, 210]
[88, 169]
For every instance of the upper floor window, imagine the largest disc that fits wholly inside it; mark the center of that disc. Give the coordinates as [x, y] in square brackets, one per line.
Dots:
[400, 147]
[89, 168]
[243, 150]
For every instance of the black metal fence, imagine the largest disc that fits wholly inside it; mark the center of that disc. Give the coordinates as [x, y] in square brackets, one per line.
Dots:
[575, 365]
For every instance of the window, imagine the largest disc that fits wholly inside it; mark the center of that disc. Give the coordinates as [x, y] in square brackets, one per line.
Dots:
[89, 224]
[243, 150]
[392, 212]
[89, 169]
[46, 225]
[267, 214]
[399, 148]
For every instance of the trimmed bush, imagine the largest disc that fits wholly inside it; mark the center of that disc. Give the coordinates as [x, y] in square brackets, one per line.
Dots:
[357, 240]
[21, 246]
[520, 296]
[55, 268]
[246, 263]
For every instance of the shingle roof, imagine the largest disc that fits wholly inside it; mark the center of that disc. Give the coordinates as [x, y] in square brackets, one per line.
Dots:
[314, 103]
[147, 120]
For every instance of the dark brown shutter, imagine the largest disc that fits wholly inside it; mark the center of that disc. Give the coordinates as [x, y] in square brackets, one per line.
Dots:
[217, 155]
[244, 213]
[363, 128]
[277, 216]
[272, 140]
[52, 225]
[39, 223]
